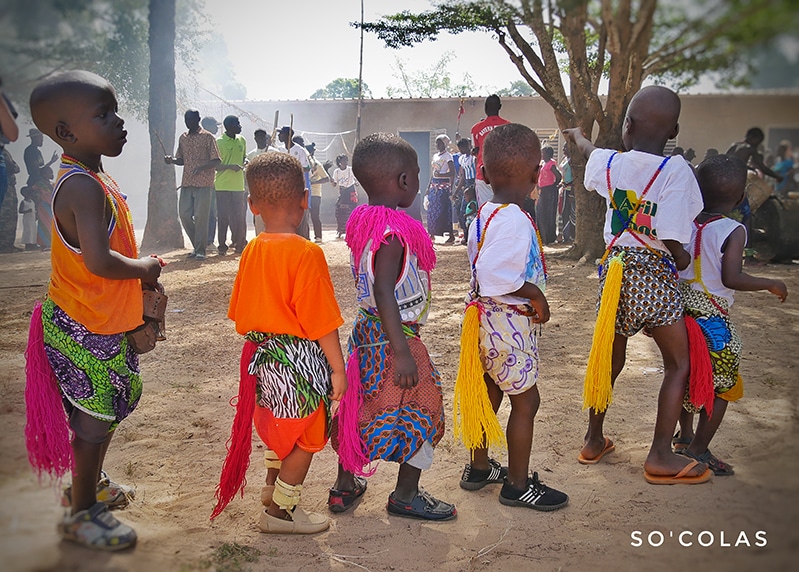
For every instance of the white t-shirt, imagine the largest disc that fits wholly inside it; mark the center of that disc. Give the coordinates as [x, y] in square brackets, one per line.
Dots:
[441, 163]
[509, 256]
[669, 208]
[714, 235]
[343, 179]
[255, 152]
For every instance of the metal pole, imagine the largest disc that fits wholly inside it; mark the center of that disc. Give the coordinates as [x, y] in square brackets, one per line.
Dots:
[360, 85]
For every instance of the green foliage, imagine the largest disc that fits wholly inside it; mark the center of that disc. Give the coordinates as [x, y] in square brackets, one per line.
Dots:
[407, 29]
[690, 37]
[517, 88]
[341, 88]
[432, 82]
[106, 37]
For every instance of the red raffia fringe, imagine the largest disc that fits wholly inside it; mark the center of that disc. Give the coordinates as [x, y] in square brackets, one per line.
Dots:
[239, 446]
[701, 392]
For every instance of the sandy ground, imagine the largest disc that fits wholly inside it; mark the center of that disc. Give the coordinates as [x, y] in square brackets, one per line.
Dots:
[171, 449]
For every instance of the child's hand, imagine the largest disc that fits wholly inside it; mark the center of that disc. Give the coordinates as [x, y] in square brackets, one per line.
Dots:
[541, 308]
[779, 289]
[682, 260]
[406, 373]
[152, 269]
[572, 133]
[338, 381]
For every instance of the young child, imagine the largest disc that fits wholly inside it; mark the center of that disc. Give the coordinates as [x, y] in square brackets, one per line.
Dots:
[27, 208]
[284, 305]
[344, 180]
[708, 289]
[652, 201]
[94, 297]
[394, 409]
[507, 299]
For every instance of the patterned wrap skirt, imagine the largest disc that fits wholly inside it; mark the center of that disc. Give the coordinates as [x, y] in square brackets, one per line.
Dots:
[439, 214]
[650, 296]
[508, 345]
[712, 315]
[97, 373]
[395, 422]
[293, 374]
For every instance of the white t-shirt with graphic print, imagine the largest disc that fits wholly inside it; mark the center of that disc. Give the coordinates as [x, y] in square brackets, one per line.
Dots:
[668, 209]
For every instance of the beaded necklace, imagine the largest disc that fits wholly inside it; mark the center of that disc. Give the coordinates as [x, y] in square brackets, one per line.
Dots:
[697, 262]
[119, 208]
[481, 234]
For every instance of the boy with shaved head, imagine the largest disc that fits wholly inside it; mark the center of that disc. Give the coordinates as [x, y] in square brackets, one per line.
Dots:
[94, 297]
[652, 201]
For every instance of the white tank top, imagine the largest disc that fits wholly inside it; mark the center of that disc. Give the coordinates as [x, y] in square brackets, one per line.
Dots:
[714, 235]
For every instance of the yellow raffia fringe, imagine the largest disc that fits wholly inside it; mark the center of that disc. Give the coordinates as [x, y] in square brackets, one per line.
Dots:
[597, 389]
[474, 418]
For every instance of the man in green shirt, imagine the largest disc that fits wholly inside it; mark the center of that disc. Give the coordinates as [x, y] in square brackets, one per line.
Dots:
[231, 198]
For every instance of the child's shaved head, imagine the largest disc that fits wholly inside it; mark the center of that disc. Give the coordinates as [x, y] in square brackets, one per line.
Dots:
[722, 180]
[508, 150]
[274, 178]
[381, 156]
[652, 118]
[53, 98]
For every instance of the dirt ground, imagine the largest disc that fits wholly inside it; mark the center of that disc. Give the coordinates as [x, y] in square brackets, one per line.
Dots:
[171, 449]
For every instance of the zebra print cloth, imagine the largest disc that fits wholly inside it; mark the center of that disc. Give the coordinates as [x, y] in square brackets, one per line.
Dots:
[293, 374]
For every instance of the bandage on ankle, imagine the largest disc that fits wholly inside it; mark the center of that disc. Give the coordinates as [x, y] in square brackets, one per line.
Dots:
[271, 460]
[286, 496]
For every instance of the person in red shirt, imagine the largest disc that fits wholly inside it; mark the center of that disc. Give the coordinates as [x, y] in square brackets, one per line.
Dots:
[479, 131]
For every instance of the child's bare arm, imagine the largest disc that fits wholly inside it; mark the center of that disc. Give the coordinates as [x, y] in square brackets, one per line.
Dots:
[537, 300]
[388, 264]
[732, 274]
[576, 136]
[681, 257]
[331, 345]
[80, 208]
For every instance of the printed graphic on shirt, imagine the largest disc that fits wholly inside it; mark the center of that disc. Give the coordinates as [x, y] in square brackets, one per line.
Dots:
[640, 218]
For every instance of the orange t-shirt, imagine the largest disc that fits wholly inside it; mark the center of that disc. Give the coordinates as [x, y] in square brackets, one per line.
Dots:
[283, 286]
[102, 305]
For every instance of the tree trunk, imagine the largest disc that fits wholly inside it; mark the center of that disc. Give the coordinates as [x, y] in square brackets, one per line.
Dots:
[162, 231]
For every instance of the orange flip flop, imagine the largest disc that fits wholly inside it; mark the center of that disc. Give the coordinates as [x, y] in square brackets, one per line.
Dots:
[609, 447]
[680, 478]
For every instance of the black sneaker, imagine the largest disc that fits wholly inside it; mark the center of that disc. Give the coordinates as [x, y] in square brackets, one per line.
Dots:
[537, 496]
[473, 479]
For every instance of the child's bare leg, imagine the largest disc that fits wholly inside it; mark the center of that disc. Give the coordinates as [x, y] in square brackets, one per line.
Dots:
[594, 437]
[479, 457]
[672, 340]
[85, 473]
[345, 480]
[103, 450]
[407, 483]
[524, 406]
[292, 472]
[707, 427]
[687, 425]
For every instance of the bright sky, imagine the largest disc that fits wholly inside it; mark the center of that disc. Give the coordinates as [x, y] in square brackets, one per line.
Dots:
[311, 43]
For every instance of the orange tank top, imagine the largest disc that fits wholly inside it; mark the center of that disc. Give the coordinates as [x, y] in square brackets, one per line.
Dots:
[102, 305]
